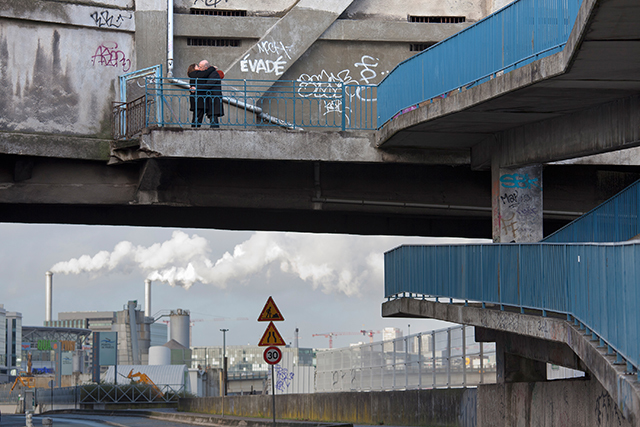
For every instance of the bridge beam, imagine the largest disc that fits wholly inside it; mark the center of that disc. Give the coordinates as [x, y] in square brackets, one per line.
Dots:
[604, 128]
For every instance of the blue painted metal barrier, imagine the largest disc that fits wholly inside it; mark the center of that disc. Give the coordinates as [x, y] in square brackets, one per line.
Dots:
[597, 284]
[616, 220]
[261, 103]
[520, 33]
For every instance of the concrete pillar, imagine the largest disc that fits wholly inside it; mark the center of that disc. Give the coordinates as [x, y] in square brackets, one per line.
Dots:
[516, 200]
[151, 34]
[511, 368]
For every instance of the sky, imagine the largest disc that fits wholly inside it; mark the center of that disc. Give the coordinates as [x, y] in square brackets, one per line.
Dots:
[320, 282]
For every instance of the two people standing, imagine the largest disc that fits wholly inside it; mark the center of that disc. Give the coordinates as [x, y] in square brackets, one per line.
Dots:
[206, 93]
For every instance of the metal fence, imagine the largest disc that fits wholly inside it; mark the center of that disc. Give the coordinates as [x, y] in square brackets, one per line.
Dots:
[129, 118]
[261, 103]
[99, 393]
[129, 393]
[438, 359]
[520, 33]
[616, 220]
[595, 284]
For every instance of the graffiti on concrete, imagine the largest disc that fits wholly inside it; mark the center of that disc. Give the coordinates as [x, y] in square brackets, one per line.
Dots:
[106, 19]
[283, 378]
[108, 55]
[266, 66]
[274, 48]
[607, 413]
[209, 3]
[517, 180]
[328, 85]
[271, 58]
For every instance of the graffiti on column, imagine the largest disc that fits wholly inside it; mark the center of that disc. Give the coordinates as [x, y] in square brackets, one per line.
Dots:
[519, 213]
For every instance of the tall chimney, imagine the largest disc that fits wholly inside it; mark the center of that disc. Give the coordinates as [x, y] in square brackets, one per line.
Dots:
[48, 296]
[147, 297]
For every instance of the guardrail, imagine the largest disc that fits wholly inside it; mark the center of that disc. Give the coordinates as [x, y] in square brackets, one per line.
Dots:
[520, 33]
[261, 103]
[436, 359]
[129, 118]
[616, 220]
[596, 285]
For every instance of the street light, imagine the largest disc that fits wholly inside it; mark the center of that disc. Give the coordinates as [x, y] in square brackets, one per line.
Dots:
[224, 360]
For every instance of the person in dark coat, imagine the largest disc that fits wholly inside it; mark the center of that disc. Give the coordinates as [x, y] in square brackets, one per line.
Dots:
[208, 88]
[192, 94]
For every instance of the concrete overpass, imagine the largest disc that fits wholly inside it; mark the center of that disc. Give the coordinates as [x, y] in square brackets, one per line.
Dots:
[423, 173]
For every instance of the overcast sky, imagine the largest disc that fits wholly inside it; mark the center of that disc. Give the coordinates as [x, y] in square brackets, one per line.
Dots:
[320, 283]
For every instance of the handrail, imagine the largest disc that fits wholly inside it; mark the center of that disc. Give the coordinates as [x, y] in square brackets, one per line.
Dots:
[596, 284]
[288, 104]
[516, 35]
[616, 220]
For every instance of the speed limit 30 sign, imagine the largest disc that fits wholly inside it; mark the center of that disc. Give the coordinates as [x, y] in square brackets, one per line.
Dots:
[272, 355]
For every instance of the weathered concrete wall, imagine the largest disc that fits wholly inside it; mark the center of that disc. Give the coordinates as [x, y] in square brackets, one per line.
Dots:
[443, 407]
[59, 63]
[564, 403]
[371, 27]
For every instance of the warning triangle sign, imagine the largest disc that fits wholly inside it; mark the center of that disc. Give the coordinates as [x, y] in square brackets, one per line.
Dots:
[270, 312]
[271, 336]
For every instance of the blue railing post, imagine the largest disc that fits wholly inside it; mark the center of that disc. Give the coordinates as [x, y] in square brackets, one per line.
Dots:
[344, 106]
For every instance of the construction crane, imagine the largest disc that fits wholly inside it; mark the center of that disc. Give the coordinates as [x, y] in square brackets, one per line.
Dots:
[330, 335]
[370, 333]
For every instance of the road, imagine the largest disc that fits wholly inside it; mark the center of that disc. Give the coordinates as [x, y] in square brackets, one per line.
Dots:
[85, 420]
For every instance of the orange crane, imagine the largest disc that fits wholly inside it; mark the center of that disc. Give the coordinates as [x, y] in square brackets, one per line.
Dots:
[330, 335]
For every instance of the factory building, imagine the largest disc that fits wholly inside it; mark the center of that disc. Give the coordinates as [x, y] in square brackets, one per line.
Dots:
[10, 342]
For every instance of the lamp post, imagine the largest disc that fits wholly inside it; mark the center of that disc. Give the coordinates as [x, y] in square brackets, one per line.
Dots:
[224, 360]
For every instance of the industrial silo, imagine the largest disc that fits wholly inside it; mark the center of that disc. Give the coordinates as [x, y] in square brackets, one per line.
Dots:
[179, 327]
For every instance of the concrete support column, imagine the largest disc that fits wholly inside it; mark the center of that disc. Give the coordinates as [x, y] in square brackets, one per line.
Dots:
[151, 34]
[512, 368]
[516, 200]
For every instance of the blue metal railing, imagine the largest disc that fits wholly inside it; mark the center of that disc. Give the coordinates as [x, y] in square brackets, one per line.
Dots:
[597, 284]
[250, 103]
[520, 33]
[616, 220]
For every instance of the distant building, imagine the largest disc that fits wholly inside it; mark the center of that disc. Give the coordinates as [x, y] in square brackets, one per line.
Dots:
[247, 371]
[147, 332]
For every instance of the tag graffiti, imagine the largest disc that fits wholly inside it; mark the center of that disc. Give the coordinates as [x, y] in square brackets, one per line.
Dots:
[266, 66]
[108, 55]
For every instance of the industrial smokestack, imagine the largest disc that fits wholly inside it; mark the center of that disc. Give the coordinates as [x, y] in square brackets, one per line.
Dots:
[147, 297]
[48, 297]
[295, 338]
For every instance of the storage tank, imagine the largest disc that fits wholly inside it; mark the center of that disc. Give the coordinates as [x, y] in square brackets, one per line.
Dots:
[159, 355]
[179, 326]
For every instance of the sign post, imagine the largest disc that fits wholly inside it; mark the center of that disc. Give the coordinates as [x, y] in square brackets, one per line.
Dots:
[270, 339]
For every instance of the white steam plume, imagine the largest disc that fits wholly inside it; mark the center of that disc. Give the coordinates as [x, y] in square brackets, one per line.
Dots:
[331, 263]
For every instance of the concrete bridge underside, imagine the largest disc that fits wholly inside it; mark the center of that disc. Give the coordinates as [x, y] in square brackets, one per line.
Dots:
[581, 101]
[161, 186]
